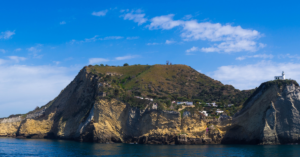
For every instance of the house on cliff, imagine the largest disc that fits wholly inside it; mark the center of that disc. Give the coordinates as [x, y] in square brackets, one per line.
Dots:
[219, 111]
[204, 113]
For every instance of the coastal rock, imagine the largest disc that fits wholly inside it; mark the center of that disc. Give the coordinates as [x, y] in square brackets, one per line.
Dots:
[271, 116]
[78, 113]
[9, 126]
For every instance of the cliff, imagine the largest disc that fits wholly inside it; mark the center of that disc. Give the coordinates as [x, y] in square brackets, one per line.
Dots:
[9, 126]
[80, 113]
[83, 112]
[270, 116]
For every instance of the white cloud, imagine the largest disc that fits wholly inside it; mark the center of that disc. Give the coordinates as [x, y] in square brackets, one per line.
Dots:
[62, 23]
[233, 46]
[187, 17]
[153, 43]
[97, 60]
[2, 50]
[100, 13]
[18, 49]
[216, 32]
[131, 38]
[226, 38]
[56, 62]
[170, 41]
[252, 75]
[2, 61]
[263, 56]
[29, 86]
[93, 39]
[12, 60]
[113, 38]
[136, 17]
[126, 57]
[34, 50]
[16, 59]
[164, 22]
[192, 49]
[6, 34]
[288, 56]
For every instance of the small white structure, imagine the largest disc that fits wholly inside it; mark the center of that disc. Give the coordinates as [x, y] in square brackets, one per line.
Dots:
[212, 104]
[154, 106]
[138, 97]
[280, 77]
[219, 111]
[173, 102]
[229, 105]
[180, 103]
[204, 112]
[150, 99]
[189, 103]
[185, 103]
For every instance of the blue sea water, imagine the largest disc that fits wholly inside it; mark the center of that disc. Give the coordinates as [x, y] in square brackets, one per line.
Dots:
[43, 147]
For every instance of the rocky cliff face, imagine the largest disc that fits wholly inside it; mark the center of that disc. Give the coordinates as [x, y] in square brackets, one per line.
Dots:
[78, 114]
[271, 116]
[9, 126]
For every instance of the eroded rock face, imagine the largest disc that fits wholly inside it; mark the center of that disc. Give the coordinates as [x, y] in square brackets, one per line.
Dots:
[272, 117]
[9, 126]
[77, 114]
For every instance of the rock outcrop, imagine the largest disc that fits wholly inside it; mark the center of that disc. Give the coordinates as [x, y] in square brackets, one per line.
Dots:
[270, 116]
[9, 126]
[78, 113]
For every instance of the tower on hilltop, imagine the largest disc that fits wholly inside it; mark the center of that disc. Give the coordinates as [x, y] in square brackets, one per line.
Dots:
[280, 77]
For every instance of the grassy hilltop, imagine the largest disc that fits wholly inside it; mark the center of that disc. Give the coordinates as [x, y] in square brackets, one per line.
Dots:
[165, 83]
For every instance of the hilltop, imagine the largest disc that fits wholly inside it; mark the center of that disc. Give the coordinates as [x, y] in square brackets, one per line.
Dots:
[168, 82]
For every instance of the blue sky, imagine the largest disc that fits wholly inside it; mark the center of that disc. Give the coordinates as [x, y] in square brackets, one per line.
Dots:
[43, 45]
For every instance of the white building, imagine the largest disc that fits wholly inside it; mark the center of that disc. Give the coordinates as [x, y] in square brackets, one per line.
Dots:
[219, 111]
[154, 106]
[204, 112]
[185, 103]
[280, 77]
[150, 99]
[212, 104]
[229, 105]
[189, 103]
[138, 97]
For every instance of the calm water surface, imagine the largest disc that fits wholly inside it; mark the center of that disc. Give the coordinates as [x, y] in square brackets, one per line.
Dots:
[32, 147]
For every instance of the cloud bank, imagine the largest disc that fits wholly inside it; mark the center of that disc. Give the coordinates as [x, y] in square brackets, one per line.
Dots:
[29, 86]
[252, 75]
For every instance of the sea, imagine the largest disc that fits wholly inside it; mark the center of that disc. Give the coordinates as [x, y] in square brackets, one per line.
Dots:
[44, 147]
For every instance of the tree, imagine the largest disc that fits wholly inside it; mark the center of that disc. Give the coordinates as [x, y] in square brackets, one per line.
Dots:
[167, 62]
[175, 96]
[116, 92]
[102, 65]
[126, 64]
[168, 103]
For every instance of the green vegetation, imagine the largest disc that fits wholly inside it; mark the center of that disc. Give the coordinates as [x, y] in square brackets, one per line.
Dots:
[165, 83]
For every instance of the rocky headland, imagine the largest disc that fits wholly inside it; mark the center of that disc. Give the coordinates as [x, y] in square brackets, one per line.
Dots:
[81, 112]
